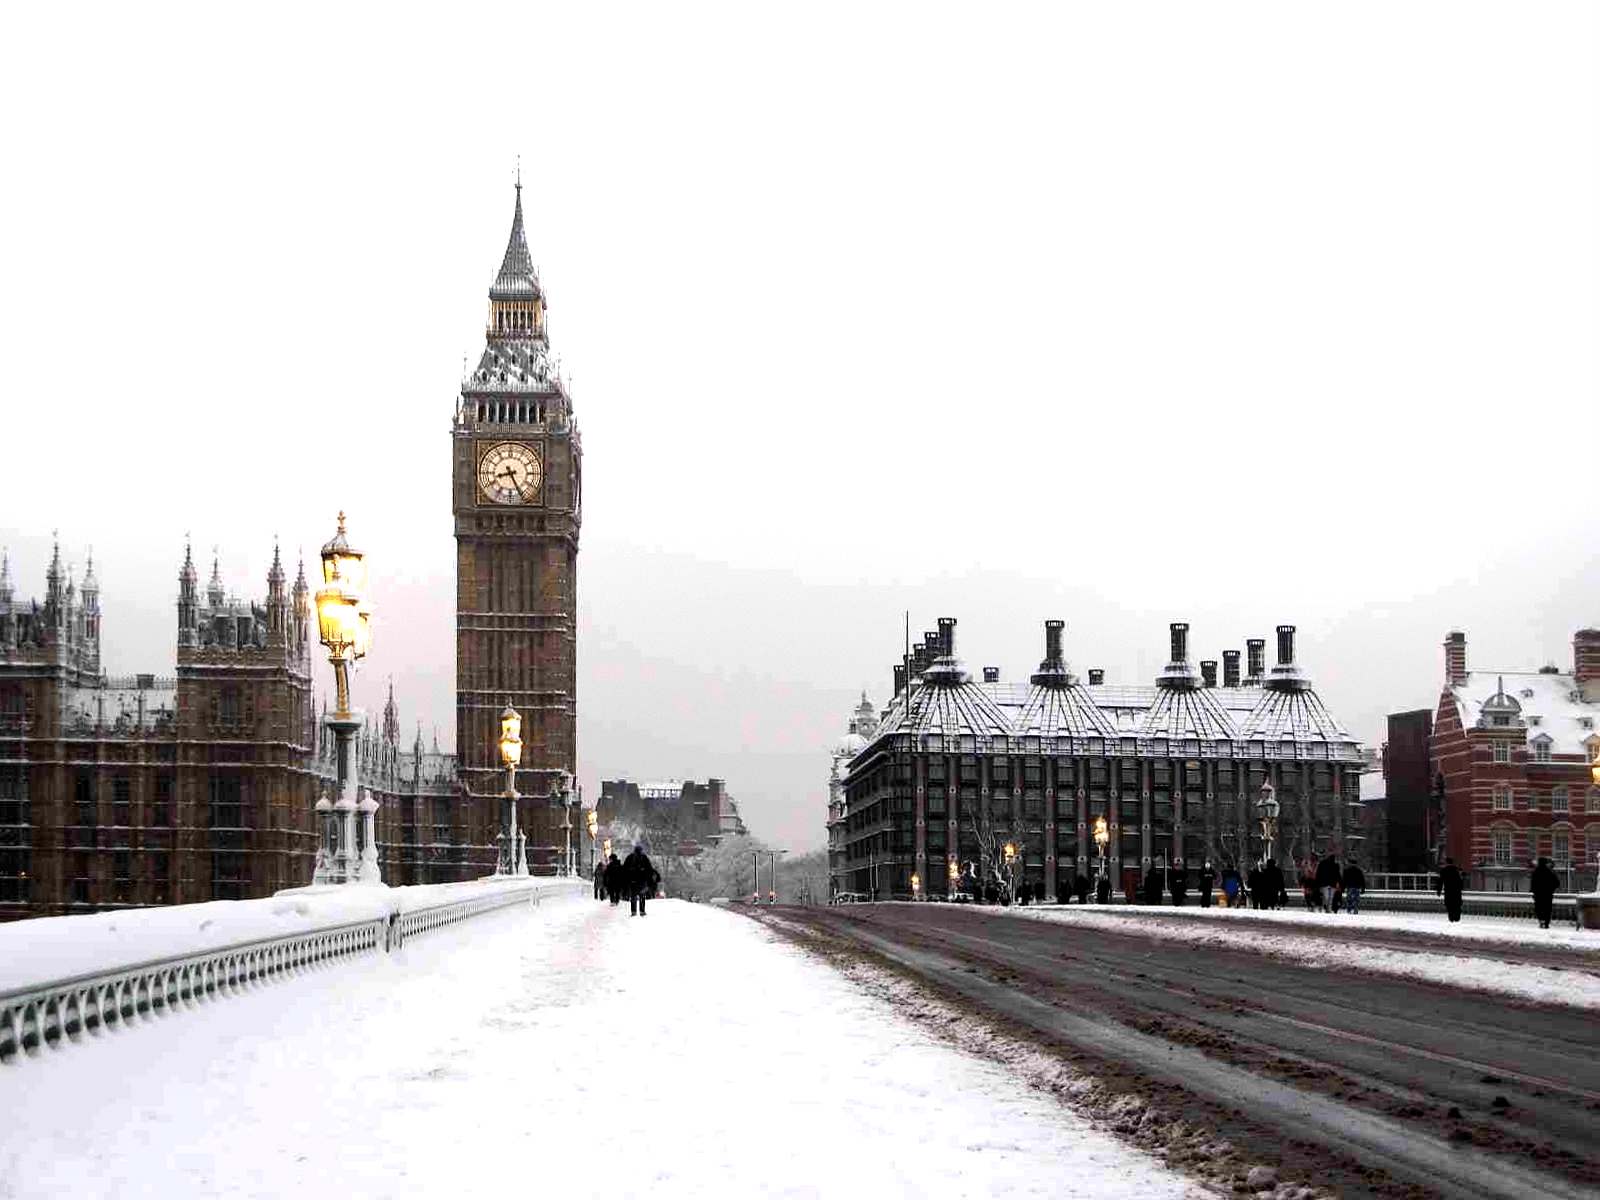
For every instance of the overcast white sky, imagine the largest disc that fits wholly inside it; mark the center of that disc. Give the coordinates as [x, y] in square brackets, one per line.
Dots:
[1122, 313]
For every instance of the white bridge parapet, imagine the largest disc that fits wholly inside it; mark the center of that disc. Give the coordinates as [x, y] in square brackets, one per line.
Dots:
[63, 979]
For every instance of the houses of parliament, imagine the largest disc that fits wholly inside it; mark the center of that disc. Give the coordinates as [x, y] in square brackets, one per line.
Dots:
[201, 783]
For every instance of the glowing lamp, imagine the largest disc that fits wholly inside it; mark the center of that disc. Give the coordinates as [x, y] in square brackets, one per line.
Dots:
[1268, 804]
[510, 737]
[342, 563]
[1102, 835]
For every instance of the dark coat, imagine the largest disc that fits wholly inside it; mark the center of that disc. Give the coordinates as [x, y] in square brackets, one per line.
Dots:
[1207, 878]
[1353, 877]
[1544, 882]
[1328, 872]
[613, 875]
[1152, 886]
[639, 872]
[1272, 882]
[1451, 882]
[1080, 885]
[1178, 883]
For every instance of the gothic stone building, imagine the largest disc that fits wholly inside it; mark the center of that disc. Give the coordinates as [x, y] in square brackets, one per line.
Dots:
[956, 767]
[517, 490]
[696, 815]
[1513, 751]
[198, 784]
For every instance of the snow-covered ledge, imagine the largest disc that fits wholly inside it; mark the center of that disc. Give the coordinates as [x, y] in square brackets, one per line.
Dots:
[62, 978]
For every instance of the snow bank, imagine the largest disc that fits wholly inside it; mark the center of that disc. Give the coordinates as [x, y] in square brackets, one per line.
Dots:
[1460, 955]
[49, 949]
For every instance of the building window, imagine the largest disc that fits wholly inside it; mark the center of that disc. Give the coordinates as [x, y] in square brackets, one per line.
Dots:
[1541, 752]
[1502, 799]
[1560, 851]
[80, 878]
[1502, 752]
[15, 885]
[160, 804]
[1500, 719]
[1558, 800]
[160, 877]
[1502, 847]
[119, 801]
[227, 808]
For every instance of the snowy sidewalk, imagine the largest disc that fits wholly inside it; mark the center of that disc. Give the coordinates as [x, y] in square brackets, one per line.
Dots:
[570, 1049]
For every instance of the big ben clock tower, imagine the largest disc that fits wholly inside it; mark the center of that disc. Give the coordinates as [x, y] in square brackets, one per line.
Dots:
[516, 491]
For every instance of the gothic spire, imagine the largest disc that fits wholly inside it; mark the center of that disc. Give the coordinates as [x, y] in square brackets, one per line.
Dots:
[6, 590]
[214, 590]
[517, 279]
[275, 576]
[91, 585]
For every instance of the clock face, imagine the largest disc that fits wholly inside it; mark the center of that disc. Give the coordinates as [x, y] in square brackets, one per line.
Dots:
[510, 473]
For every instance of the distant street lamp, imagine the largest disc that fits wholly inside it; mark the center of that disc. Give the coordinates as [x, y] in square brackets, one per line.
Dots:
[1102, 836]
[916, 886]
[1267, 805]
[344, 626]
[955, 877]
[593, 817]
[511, 860]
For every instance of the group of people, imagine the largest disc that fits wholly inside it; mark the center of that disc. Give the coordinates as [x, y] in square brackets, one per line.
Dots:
[1543, 882]
[634, 876]
[1327, 888]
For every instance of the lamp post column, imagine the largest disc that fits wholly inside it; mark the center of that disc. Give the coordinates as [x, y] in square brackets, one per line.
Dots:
[510, 860]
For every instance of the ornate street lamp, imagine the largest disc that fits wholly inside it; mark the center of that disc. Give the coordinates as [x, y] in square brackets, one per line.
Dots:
[593, 817]
[344, 626]
[511, 860]
[916, 886]
[955, 877]
[1102, 836]
[1267, 805]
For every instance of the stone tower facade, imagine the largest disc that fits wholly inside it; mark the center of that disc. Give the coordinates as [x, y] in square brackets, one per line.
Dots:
[516, 492]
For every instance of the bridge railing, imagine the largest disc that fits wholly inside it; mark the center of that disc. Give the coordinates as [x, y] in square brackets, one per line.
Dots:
[44, 1014]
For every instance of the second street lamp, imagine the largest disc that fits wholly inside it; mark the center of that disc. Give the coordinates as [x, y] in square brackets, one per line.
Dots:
[593, 817]
[512, 860]
[1102, 836]
[1267, 806]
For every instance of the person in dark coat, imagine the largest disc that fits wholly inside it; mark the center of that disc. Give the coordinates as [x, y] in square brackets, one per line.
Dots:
[599, 879]
[1024, 892]
[1355, 882]
[1328, 881]
[1450, 886]
[1080, 886]
[641, 878]
[1543, 886]
[613, 877]
[1232, 885]
[1252, 883]
[1152, 885]
[1278, 892]
[1207, 878]
[1102, 890]
[1178, 882]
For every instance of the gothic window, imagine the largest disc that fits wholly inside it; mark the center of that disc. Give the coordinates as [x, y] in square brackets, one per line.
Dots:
[227, 806]
[230, 705]
[119, 801]
[160, 811]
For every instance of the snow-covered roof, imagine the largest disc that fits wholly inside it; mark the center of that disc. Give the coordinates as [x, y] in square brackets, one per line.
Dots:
[1555, 699]
[128, 710]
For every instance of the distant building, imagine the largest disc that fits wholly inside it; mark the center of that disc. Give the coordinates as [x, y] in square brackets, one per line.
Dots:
[957, 768]
[695, 814]
[863, 726]
[198, 784]
[1408, 780]
[1515, 750]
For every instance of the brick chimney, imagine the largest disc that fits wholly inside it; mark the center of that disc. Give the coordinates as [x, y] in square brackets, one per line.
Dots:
[899, 678]
[1208, 671]
[1052, 640]
[1455, 658]
[1180, 641]
[947, 636]
[1285, 645]
[991, 674]
[1255, 660]
[1230, 668]
[1097, 676]
[1586, 662]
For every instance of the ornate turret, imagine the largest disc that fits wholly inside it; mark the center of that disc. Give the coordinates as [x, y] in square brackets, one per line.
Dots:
[6, 589]
[91, 615]
[277, 598]
[302, 609]
[52, 586]
[188, 600]
[391, 719]
[215, 592]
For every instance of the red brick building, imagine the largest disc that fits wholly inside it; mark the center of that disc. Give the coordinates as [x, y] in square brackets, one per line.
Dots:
[1515, 751]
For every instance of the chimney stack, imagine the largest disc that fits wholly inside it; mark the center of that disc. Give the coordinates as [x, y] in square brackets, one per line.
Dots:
[1256, 660]
[1586, 662]
[1052, 641]
[1097, 676]
[1230, 668]
[991, 674]
[1180, 641]
[1285, 645]
[1208, 671]
[947, 636]
[899, 678]
[1455, 658]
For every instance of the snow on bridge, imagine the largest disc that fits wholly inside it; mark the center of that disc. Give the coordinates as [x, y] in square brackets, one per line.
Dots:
[569, 1047]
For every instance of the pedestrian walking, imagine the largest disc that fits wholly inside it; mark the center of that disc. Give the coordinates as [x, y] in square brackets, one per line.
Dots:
[1543, 886]
[1328, 881]
[1231, 885]
[613, 879]
[1178, 882]
[1252, 883]
[1276, 895]
[1355, 882]
[1080, 885]
[641, 878]
[1449, 886]
[599, 880]
[1308, 886]
[1102, 890]
[1207, 878]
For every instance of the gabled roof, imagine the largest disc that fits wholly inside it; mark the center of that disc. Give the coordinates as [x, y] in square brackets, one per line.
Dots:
[517, 279]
